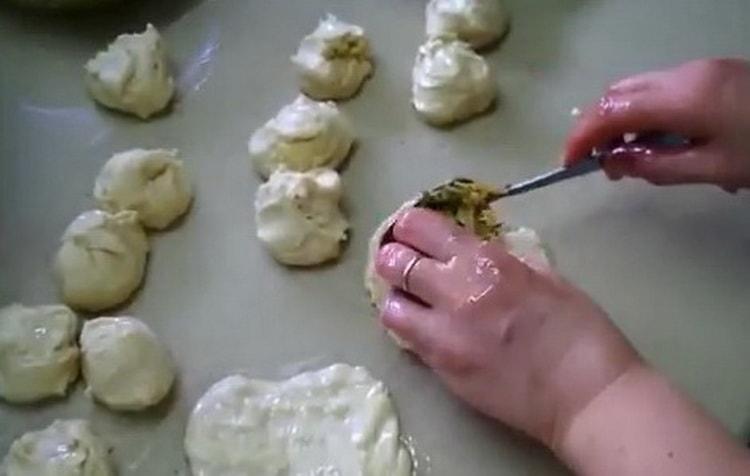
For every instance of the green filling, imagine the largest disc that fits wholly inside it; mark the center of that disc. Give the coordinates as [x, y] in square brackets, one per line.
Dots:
[348, 47]
[468, 203]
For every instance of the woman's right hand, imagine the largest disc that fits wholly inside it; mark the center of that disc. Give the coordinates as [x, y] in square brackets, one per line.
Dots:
[705, 100]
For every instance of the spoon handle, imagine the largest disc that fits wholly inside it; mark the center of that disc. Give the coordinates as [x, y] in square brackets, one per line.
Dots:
[643, 143]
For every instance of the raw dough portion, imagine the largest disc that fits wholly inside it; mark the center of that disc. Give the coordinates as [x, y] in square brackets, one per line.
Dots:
[101, 260]
[477, 22]
[304, 135]
[524, 243]
[298, 216]
[124, 364]
[334, 60]
[335, 421]
[65, 448]
[150, 182]
[131, 75]
[468, 203]
[450, 82]
[38, 352]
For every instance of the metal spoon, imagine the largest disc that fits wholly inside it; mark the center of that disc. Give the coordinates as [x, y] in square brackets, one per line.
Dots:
[641, 144]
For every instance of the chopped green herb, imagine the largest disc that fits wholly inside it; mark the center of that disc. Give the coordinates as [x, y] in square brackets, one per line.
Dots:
[468, 202]
[348, 47]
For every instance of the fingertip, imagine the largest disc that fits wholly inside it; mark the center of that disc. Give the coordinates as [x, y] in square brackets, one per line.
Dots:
[571, 154]
[403, 317]
[392, 315]
[385, 256]
[390, 260]
[582, 138]
[613, 115]
[410, 222]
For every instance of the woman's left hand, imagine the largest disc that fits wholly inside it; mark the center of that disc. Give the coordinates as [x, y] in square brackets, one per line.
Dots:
[520, 345]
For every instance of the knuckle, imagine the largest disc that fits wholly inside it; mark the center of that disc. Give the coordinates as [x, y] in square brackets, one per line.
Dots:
[462, 241]
[496, 252]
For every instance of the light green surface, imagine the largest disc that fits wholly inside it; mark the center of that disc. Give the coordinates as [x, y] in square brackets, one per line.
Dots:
[671, 265]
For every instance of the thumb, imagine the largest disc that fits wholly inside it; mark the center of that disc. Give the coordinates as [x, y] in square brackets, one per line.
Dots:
[696, 165]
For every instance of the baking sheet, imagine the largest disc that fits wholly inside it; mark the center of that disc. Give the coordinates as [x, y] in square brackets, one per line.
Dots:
[672, 266]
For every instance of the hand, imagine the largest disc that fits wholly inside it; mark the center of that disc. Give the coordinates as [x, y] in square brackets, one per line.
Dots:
[522, 346]
[705, 100]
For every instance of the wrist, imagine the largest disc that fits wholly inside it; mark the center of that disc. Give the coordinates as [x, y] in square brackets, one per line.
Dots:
[592, 364]
[561, 445]
[641, 424]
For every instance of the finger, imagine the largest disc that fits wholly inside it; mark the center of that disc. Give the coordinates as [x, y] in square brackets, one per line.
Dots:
[426, 333]
[697, 165]
[639, 109]
[408, 320]
[636, 83]
[433, 234]
[423, 278]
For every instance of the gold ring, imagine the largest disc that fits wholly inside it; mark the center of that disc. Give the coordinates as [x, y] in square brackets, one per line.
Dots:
[407, 271]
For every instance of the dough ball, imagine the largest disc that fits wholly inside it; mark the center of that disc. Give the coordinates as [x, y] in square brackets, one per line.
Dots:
[38, 352]
[150, 182]
[525, 244]
[334, 60]
[338, 420]
[468, 203]
[477, 22]
[101, 259]
[65, 448]
[451, 83]
[131, 75]
[298, 216]
[124, 364]
[304, 135]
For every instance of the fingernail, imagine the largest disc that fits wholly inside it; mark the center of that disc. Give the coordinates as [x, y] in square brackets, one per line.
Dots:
[391, 314]
[392, 306]
[387, 258]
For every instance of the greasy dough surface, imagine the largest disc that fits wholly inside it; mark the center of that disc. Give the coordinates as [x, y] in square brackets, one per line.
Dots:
[151, 182]
[298, 216]
[334, 421]
[304, 135]
[131, 75]
[101, 259]
[38, 352]
[450, 82]
[333, 61]
[124, 364]
[477, 22]
[65, 448]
